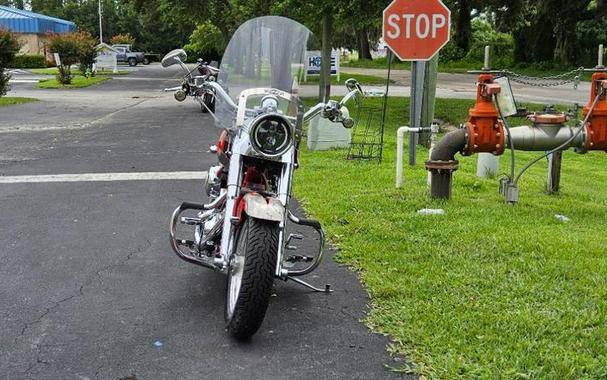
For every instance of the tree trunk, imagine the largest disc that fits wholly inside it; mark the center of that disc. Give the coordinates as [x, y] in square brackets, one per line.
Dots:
[463, 26]
[362, 37]
[564, 51]
[325, 67]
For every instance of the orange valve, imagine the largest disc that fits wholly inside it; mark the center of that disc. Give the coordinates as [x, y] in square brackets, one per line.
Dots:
[596, 128]
[485, 132]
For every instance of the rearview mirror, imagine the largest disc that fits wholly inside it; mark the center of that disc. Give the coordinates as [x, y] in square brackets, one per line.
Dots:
[352, 84]
[174, 57]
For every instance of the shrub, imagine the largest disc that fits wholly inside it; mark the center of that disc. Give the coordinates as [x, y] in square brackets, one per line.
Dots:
[88, 52]
[451, 52]
[125, 38]
[502, 45]
[8, 48]
[29, 61]
[590, 33]
[67, 45]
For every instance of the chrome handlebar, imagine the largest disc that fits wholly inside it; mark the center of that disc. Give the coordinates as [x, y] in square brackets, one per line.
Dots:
[220, 92]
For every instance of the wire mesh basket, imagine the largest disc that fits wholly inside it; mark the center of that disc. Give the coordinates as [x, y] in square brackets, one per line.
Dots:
[367, 134]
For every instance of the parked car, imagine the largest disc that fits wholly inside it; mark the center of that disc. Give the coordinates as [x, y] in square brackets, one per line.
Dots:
[125, 54]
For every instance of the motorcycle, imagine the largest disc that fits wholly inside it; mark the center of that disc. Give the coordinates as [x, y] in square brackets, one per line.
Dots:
[244, 230]
[192, 85]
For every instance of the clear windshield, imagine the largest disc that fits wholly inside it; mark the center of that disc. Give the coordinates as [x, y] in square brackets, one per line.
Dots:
[265, 52]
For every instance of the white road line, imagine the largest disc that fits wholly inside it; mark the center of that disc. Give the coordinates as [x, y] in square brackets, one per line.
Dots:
[23, 81]
[104, 177]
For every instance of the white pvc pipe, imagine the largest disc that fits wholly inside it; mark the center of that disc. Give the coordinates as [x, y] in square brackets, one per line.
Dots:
[487, 165]
[400, 140]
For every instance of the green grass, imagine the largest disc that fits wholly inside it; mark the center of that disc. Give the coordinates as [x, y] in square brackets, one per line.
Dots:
[362, 79]
[78, 81]
[486, 290]
[9, 101]
[54, 71]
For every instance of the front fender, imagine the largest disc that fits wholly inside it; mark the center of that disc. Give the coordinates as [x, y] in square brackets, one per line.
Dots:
[256, 206]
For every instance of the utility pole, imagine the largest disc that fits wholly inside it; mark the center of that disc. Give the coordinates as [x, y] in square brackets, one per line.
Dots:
[100, 25]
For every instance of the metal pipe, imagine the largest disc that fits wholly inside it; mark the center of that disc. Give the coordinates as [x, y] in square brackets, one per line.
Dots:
[442, 163]
[221, 93]
[601, 52]
[449, 145]
[546, 137]
[400, 141]
[434, 131]
[486, 63]
[321, 235]
[176, 243]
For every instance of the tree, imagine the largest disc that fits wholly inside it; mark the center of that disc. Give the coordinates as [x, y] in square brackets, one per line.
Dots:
[67, 45]
[359, 20]
[125, 38]
[8, 48]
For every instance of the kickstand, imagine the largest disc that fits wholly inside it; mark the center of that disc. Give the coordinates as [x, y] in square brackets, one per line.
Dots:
[327, 288]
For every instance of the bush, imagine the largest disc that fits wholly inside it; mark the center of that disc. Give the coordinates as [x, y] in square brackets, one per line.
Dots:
[590, 33]
[125, 38]
[29, 61]
[8, 48]
[68, 46]
[502, 45]
[451, 52]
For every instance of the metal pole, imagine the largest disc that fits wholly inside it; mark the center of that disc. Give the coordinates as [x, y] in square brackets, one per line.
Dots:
[418, 71]
[487, 55]
[554, 172]
[429, 98]
[100, 25]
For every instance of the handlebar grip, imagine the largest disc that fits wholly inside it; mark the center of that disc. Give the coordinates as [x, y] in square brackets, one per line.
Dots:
[192, 206]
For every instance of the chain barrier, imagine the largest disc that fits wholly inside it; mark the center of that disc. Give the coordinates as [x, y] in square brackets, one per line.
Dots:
[572, 76]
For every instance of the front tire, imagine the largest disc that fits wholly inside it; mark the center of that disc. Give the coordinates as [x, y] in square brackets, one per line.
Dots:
[251, 277]
[132, 62]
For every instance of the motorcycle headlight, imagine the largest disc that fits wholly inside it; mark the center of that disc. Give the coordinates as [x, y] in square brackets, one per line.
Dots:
[271, 135]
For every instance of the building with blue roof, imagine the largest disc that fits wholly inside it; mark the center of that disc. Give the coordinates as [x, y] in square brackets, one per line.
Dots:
[31, 28]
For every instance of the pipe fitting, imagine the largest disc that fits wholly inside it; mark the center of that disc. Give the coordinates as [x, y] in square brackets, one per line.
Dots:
[452, 143]
[441, 176]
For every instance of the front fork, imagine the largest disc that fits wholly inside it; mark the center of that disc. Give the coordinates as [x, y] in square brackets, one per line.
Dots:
[191, 251]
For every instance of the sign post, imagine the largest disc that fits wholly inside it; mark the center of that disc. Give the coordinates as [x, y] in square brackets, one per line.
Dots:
[415, 31]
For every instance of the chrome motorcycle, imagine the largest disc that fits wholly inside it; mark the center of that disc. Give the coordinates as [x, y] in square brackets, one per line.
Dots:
[192, 85]
[244, 230]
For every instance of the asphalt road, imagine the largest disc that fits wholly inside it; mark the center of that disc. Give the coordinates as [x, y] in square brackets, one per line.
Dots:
[462, 86]
[89, 288]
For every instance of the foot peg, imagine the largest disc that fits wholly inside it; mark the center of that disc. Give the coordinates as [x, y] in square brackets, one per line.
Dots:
[299, 259]
[327, 288]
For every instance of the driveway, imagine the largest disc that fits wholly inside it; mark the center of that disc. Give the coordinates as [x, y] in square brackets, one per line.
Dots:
[89, 288]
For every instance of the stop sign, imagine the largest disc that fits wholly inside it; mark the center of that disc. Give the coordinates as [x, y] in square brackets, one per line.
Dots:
[416, 30]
